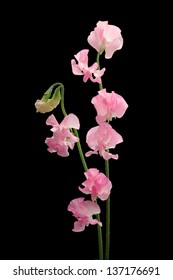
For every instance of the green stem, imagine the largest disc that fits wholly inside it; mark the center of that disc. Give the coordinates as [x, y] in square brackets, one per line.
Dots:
[107, 243]
[81, 154]
[62, 101]
[100, 239]
[80, 151]
[107, 248]
[98, 62]
[74, 131]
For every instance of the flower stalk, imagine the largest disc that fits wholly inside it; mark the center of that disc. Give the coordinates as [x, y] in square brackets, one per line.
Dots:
[108, 203]
[81, 154]
[105, 39]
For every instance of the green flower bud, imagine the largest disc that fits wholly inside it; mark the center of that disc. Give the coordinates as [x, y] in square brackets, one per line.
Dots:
[47, 104]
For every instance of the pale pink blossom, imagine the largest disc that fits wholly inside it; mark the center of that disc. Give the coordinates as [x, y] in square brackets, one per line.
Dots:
[102, 138]
[109, 105]
[83, 211]
[97, 184]
[106, 37]
[62, 138]
[81, 67]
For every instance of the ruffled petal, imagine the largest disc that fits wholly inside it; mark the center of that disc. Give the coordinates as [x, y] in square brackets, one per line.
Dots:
[70, 121]
[75, 68]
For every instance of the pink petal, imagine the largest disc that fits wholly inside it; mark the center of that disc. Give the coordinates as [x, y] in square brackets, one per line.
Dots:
[90, 137]
[115, 156]
[91, 172]
[70, 121]
[88, 154]
[85, 191]
[51, 120]
[94, 222]
[103, 196]
[74, 204]
[99, 73]
[115, 138]
[93, 68]
[78, 226]
[92, 207]
[112, 33]
[108, 156]
[71, 140]
[82, 57]
[75, 68]
[99, 104]
[112, 47]
[121, 106]
[95, 80]
[63, 151]
[87, 75]
[95, 38]
[51, 144]
[102, 92]
[100, 119]
[102, 24]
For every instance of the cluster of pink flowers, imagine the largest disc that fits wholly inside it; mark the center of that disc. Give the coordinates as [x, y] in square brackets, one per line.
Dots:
[98, 186]
[101, 138]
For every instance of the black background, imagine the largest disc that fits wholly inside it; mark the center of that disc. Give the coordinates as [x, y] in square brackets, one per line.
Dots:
[37, 186]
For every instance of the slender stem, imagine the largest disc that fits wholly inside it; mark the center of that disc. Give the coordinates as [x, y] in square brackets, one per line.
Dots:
[100, 240]
[74, 131]
[107, 243]
[62, 101]
[80, 151]
[81, 154]
[98, 62]
[107, 248]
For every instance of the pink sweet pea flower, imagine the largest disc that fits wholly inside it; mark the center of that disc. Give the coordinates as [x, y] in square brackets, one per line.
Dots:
[97, 184]
[101, 138]
[83, 211]
[82, 68]
[62, 138]
[108, 105]
[106, 37]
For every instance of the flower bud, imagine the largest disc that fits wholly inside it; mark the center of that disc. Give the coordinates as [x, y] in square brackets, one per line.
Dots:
[47, 104]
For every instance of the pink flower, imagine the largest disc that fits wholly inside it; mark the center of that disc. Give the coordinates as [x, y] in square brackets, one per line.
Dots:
[62, 138]
[83, 211]
[109, 105]
[82, 67]
[101, 138]
[106, 37]
[97, 184]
